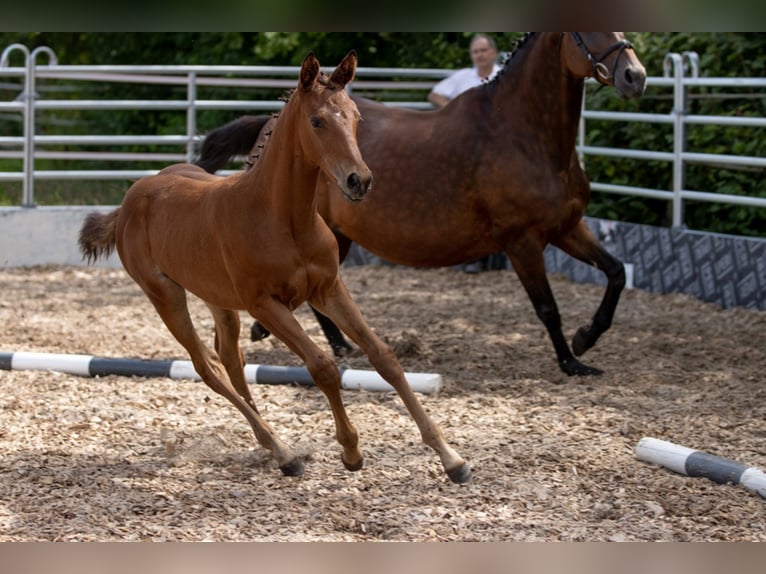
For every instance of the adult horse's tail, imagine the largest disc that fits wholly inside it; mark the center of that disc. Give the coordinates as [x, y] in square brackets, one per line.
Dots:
[97, 235]
[232, 139]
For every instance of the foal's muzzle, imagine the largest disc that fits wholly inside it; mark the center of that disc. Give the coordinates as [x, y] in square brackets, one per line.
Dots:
[357, 186]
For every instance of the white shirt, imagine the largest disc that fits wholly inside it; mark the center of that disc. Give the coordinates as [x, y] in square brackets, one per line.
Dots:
[462, 80]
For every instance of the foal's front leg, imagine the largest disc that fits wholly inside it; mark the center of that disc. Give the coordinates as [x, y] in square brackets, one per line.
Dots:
[337, 304]
[280, 321]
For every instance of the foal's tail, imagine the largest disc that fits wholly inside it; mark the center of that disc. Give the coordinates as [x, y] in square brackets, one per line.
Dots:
[97, 235]
[230, 140]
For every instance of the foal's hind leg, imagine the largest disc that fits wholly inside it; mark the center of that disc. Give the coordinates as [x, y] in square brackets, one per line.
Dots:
[581, 244]
[339, 306]
[169, 299]
[227, 346]
[526, 255]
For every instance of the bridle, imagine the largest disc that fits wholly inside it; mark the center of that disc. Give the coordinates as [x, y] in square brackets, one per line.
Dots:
[600, 70]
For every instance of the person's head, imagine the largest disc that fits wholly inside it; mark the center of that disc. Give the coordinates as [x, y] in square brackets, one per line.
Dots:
[483, 53]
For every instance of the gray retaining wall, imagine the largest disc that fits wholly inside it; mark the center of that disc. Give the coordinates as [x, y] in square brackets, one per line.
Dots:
[723, 269]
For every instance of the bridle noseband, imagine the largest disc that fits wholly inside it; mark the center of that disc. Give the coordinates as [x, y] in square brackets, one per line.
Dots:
[600, 71]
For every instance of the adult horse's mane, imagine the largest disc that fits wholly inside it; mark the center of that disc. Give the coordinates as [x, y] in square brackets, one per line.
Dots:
[518, 44]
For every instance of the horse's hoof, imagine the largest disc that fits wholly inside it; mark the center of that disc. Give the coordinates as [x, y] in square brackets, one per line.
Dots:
[573, 367]
[292, 468]
[580, 342]
[460, 475]
[353, 467]
[258, 332]
[343, 351]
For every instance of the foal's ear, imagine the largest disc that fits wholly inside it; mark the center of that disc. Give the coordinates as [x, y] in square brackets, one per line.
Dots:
[309, 71]
[344, 73]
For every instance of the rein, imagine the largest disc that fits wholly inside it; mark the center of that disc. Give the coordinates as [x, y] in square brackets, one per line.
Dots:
[600, 71]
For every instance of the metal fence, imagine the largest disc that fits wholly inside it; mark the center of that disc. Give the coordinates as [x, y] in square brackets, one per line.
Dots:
[393, 86]
[681, 74]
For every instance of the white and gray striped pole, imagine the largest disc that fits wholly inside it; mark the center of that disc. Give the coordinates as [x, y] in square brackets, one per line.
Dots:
[696, 463]
[91, 366]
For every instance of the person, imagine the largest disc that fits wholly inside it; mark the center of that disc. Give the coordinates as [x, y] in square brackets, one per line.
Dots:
[483, 52]
[484, 56]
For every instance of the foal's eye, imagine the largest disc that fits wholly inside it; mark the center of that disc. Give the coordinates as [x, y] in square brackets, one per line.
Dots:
[316, 122]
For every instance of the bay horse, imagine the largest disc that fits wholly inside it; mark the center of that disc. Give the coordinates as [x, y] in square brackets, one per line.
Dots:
[494, 170]
[254, 241]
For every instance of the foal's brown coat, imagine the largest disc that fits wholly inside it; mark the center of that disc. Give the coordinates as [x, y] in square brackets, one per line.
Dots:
[255, 241]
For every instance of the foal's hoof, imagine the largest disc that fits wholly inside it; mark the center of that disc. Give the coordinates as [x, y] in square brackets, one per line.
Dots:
[353, 467]
[258, 332]
[460, 474]
[292, 468]
[573, 367]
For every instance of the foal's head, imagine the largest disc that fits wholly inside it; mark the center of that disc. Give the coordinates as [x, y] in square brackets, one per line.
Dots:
[327, 125]
[606, 56]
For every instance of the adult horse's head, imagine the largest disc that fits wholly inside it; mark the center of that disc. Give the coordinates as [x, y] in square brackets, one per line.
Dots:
[328, 134]
[606, 56]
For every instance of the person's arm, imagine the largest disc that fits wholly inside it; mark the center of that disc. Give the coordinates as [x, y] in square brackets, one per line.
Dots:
[437, 99]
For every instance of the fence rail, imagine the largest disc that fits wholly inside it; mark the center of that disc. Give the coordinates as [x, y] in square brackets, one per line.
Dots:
[676, 66]
[393, 86]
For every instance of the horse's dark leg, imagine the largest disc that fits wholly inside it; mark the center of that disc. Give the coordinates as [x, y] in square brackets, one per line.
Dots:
[340, 346]
[258, 332]
[529, 264]
[338, 343]
[581, 244]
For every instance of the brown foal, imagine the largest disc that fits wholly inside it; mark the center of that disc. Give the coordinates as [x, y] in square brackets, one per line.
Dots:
[254, 241]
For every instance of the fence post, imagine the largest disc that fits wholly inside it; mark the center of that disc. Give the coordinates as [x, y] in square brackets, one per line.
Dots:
[27, 97]
[679, 109]
[29, 120]
[191, 117]
[581, 129]
[27, 183]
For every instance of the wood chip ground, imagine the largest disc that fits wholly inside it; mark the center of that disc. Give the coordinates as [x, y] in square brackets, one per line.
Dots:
[120, 459]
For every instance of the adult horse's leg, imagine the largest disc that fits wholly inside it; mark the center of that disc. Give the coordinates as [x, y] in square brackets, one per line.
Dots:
[280, 321]
[337, 304]
[169, 299]
[528, 261]
[581, 244]
[338, 343]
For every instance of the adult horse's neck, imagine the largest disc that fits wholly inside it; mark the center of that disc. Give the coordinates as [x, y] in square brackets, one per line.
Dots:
[282, 176]
[534, 80]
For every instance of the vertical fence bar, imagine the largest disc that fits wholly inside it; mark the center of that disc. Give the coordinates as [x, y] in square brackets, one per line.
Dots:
[581, 128]
[26, 183]
[679, 111]
[30, 96]
[191, 117]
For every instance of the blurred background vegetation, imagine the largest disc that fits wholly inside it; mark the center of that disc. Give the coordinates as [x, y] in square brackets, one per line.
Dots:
[726, 54]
